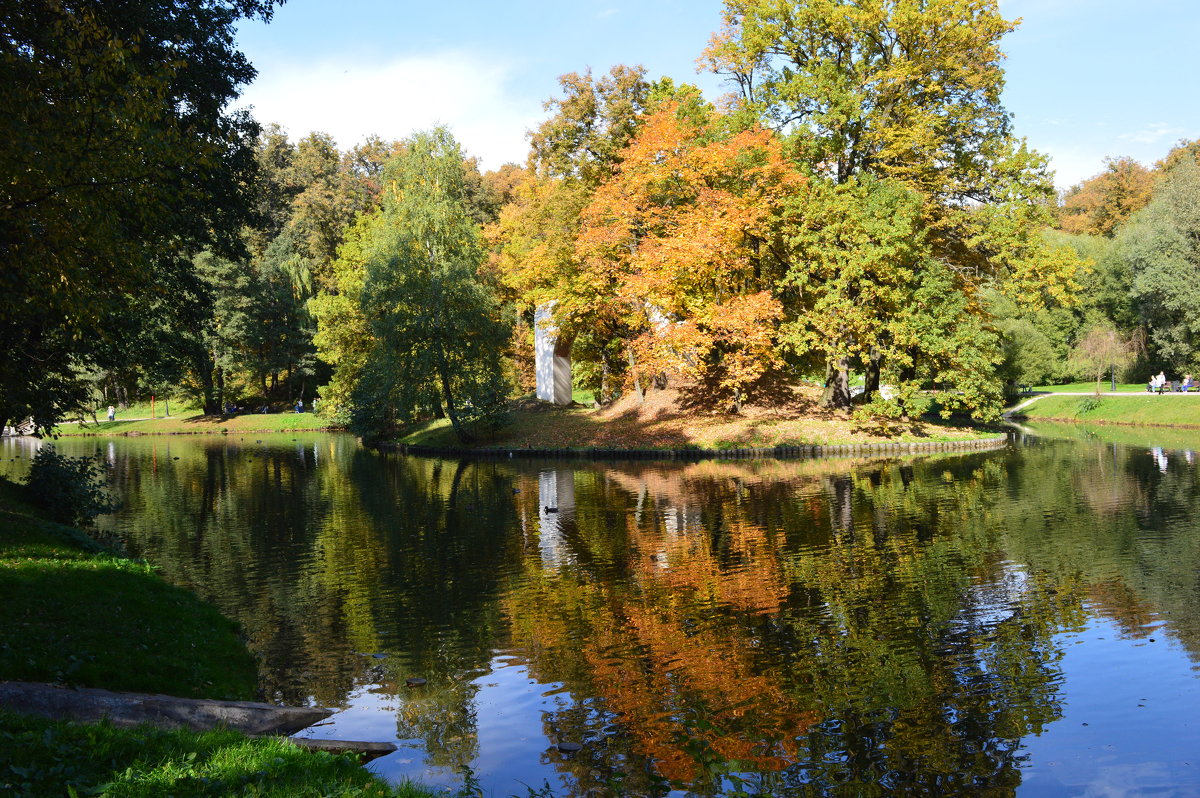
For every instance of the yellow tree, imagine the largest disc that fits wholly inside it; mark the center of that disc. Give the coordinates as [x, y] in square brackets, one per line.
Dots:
[1100, 204]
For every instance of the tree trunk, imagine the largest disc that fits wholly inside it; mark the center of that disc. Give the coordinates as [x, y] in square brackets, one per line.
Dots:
[907, 374]
[837, 385]
[448, 397]
[841, 507]
[220, 372]
[873, 367]
[637, 384]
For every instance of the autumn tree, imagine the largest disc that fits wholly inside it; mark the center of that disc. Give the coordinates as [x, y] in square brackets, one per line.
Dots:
[677, 245]
[908, 94]
[437, 327]
[1185, 150]
[571, 154]
[1101, 204]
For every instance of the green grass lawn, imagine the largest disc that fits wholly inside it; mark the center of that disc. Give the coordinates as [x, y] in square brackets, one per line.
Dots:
[1175, 410]
[42, 758]
[75, 613]
[198, 423]
[145, 410]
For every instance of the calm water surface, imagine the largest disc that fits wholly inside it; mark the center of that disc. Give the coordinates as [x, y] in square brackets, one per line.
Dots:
[1021, 622]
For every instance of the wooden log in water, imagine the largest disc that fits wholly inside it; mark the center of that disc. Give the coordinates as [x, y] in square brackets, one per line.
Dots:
[366, 751]
[90, 705]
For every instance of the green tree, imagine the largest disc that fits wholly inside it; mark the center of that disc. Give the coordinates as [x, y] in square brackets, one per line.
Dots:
[1161, 246]
[344, 338]
[116, 145]
[437, 325]
[1100, 350]
[908, 92]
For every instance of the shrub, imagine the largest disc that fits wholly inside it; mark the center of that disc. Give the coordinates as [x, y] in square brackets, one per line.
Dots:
[73, 490]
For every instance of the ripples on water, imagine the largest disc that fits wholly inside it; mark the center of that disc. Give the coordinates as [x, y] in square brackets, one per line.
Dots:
[1023, 621]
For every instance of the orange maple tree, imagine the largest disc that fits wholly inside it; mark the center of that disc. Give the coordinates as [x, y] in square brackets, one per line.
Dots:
[680, 243]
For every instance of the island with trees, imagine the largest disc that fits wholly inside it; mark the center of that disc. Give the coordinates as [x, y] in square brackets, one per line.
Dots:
[854, 245]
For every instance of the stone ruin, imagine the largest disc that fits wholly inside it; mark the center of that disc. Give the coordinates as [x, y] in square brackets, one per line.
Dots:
[552, 358]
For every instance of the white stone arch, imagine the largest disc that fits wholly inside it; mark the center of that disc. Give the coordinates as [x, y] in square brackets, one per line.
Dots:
[552, 358]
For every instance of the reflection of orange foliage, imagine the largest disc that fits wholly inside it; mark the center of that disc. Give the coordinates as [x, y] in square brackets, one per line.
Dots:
[683, 677]
[672, 650]
[686, 566]
[684, 669]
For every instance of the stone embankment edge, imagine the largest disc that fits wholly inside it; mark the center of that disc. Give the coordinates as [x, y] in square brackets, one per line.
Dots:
[756, 453]
[138, 433]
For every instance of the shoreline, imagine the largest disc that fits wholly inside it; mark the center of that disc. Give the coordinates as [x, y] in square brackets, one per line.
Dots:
[83, 614]
[139, 433]
[1177, 411]
[1098, 422]
[797, 452]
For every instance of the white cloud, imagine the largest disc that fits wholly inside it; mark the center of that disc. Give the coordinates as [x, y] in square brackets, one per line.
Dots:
[352, 100]
[1153, 134]
[1073, 165]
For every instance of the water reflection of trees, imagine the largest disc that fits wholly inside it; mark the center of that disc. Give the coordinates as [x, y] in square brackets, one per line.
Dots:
[806, 628]
[814, 633]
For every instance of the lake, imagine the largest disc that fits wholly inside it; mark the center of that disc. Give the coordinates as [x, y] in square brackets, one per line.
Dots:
[1017, 622]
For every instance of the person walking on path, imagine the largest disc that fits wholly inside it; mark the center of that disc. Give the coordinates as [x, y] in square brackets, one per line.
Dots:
[112, 412]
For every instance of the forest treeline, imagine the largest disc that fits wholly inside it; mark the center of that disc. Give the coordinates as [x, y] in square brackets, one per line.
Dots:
[857, 209]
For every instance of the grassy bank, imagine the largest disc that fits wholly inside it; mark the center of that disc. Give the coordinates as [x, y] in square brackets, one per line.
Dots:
[197, 423]
[77, 614]
[1176, 410]
[663, 421]
[43, 758]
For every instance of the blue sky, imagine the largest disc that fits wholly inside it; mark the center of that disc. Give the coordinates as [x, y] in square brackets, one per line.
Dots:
[1086, 78]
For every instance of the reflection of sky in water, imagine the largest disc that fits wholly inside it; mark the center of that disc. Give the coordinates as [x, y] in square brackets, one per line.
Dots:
[513, 749]
[1123, 732]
